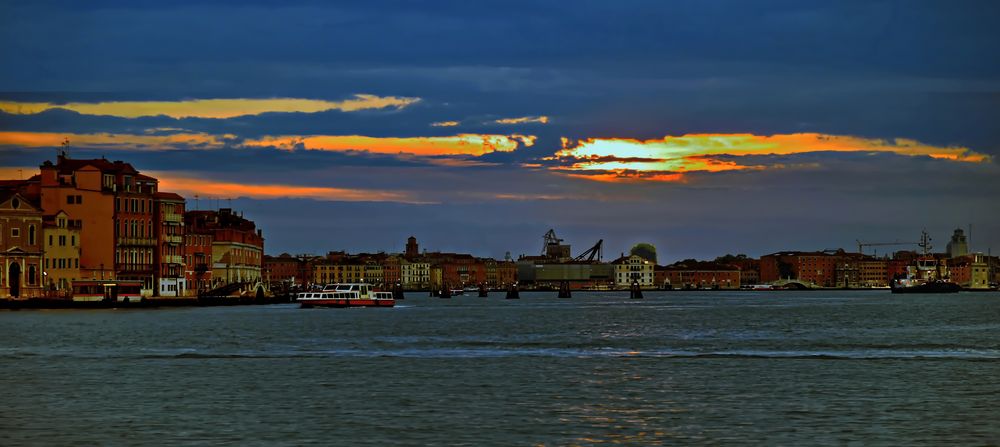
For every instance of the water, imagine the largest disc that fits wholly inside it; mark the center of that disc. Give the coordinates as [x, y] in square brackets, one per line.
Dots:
[708, 368]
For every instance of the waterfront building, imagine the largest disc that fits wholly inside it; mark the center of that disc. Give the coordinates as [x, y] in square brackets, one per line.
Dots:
[288, 269]
[808, 268]
[198, 259]
[170, 269]
[416, 275]
[61, 252]
[392, 270]
[134, 233]
[873, 273]
[20, 244]
[542, 271]
[499, 273]
[373, 272]
[86, 191]
[237, 245]
[971, 271]
[632, 269]
[749, 270]
[958, 246]
[456, 269]
[699, 275]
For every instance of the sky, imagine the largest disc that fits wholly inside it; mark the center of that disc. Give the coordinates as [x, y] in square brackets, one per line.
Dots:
[703, 127]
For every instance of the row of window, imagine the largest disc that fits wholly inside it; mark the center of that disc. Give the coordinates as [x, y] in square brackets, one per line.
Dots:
[136, 228]
[62, 263]
[62, 240]
[131, 205]
[74, 200]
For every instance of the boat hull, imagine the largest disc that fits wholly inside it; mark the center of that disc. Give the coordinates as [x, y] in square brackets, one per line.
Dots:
[929, 287]
[346, 303]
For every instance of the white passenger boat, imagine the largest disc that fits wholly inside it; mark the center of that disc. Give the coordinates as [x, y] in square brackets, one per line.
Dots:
[346, 295]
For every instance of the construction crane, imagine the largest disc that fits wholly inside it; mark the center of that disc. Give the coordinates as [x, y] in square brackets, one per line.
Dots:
[549, 240]
[592, 252]
[862, 245]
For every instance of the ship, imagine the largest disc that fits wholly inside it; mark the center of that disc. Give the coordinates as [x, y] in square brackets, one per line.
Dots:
[347, 295]
[926, 275]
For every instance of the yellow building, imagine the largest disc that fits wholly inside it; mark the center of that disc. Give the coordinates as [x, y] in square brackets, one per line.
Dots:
[61, 236]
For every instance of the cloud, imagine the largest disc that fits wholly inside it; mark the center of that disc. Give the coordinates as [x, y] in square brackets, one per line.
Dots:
[462, 144]
[116, 141]
[191, 186]
[668, 158]
[524, 120]
[445, 124]
[211, 108]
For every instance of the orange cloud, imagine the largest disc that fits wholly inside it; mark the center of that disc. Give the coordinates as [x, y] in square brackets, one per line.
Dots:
[462, 144]
[445, 124]
[211, 108]
[115, 141]
[190, 186]
[661, 159]
[524, 120]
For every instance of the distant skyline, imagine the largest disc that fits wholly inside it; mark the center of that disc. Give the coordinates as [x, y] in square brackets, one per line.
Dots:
[704, 128]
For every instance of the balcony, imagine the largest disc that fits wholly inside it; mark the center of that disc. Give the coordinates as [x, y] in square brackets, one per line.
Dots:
[173, 217]
[173, 239]
[136, 242]
[173, 259]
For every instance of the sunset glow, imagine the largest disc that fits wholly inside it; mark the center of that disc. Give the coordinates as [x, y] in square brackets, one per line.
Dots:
[191, 186]
[462, 144]
[662, 159]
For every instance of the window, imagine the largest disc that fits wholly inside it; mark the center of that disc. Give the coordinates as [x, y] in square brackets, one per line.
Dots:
[15, 232]
[50, 239]
[72, 240]
[70, 200]
[62, 241]
[79, 200]
[76, 263]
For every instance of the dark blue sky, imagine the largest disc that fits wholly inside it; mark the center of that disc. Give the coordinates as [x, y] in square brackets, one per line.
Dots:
[908, 91]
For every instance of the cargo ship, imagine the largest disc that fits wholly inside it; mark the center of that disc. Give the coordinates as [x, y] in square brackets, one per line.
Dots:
[346, 295]
[925, 276]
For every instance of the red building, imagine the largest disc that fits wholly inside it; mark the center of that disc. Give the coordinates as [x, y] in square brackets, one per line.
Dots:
[285, 268]
[237, 253]
[169, 218]
[457, 270]
[198, 259]
[819, 268]
[698, 275]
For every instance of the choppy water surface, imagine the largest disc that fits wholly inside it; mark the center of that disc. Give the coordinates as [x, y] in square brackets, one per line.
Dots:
[778, 368]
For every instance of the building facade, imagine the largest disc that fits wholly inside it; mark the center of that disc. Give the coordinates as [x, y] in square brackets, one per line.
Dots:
[171, 278]
[237, 245]
[633, 269]
[61, 251]
[20, 246]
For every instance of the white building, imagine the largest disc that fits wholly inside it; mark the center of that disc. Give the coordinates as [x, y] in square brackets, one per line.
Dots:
[633, 269]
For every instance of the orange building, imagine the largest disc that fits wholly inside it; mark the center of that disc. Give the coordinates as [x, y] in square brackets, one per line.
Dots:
[85, 191]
